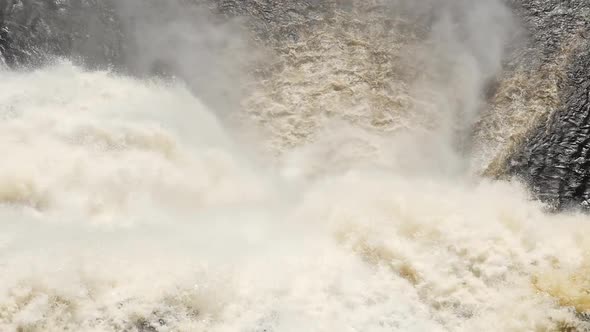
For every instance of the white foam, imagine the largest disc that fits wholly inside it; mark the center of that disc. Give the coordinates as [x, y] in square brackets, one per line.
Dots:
[126, 206]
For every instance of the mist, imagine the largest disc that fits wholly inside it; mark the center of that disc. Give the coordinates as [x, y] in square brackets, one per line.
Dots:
[459, 52]
[186, 40]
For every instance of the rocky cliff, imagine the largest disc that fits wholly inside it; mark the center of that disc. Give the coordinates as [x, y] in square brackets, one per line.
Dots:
[554, 158]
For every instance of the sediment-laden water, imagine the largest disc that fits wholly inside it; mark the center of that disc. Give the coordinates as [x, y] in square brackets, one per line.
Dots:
[339, 189]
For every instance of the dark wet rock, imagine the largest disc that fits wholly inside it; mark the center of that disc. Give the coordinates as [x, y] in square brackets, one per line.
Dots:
[555, 158]
[34, 31]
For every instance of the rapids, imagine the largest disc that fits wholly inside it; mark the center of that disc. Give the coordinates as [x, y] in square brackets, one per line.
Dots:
[129, 204]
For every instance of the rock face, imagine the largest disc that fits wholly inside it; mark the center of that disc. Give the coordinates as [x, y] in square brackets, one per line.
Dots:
[32, 31]
[555, 158]
[544, 95]
[98, 32]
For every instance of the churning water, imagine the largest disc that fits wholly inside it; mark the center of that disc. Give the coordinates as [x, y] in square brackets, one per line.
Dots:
[128, 205]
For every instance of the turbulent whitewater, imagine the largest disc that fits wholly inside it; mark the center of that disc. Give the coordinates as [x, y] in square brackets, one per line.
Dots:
[126, 205]
[332, 195]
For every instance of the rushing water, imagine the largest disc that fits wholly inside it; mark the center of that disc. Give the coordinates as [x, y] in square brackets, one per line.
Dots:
[127, 205]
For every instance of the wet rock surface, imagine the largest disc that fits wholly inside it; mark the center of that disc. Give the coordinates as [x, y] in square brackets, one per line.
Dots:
[34, 31]
[31, 31]
[555, 158]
